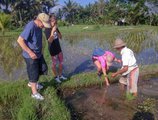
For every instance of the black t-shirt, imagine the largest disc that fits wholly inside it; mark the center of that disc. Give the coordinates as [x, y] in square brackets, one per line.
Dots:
[54, 48]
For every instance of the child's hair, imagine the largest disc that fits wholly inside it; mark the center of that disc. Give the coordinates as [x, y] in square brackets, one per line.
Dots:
[108, 53]
[52, 16]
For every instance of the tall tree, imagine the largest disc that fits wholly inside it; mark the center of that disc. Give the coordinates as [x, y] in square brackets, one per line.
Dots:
[47, 4]
[25, 10]
[70, 9]
[101, 6]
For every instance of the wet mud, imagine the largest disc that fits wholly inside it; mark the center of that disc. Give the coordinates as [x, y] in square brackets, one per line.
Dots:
[96, 103]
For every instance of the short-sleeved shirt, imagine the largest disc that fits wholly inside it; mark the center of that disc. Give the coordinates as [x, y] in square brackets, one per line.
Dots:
[48, 32]
[32, 35]
[128, 59]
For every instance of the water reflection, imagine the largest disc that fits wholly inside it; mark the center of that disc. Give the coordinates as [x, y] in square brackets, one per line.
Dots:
[77, 49]
[77, 52]
[10, 57]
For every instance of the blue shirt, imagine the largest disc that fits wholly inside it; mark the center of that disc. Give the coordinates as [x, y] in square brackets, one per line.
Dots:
[32, 35]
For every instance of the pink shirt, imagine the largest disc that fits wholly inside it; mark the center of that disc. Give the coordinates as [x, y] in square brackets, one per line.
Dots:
[102, 59]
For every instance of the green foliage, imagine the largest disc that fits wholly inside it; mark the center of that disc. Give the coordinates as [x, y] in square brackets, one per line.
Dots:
[71, 8]
[101, 12]
[24, 11]
[134, 12]
[4, 21]
[63, 23]
[96, 27]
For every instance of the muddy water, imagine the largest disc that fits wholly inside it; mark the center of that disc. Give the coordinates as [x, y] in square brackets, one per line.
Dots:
[150, 88]
[97, 103]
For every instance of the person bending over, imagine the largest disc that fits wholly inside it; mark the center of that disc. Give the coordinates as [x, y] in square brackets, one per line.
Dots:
[103, 60]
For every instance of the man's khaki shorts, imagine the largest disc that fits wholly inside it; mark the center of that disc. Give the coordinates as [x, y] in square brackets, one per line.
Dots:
[131, 78]
[123, 80]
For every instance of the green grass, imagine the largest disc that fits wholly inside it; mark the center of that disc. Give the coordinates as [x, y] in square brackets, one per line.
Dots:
[108, 29]
[16, 103]
[86, 80]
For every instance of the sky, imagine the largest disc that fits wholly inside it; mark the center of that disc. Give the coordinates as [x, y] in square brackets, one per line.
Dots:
[81, 2]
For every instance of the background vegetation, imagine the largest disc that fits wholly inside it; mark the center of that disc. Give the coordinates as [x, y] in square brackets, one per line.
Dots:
[115, 12]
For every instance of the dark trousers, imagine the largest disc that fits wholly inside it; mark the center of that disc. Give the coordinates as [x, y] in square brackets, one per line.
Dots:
[35, 68]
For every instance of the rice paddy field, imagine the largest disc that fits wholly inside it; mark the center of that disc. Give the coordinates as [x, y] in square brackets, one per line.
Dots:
[74, 98]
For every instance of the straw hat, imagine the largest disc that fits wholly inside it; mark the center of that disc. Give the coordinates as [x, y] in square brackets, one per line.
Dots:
[44, 18]
[119, 43]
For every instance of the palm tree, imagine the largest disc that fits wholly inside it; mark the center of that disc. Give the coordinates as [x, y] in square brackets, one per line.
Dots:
[25, 10]
[47, 4]
[101, 7]
[70, 9]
